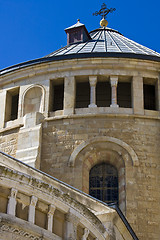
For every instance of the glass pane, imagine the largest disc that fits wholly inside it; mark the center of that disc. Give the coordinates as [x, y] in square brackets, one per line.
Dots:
[103, 183]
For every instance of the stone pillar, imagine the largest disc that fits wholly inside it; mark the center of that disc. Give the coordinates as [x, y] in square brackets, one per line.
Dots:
[69, 95]
[137, 95]
[32, 206]
[71, 226]
[93, 82]
[158, 93]
[3, 109]
[11, 208]
[85, 235]
[30, 139]
[114, 82]
[50, 217]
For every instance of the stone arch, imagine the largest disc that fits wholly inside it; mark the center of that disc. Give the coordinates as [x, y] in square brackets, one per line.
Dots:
[97, 154]
[121, 146]
[105, 150]
[33, 99]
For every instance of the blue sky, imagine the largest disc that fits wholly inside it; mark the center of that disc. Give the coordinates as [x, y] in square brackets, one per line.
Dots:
[30, 29]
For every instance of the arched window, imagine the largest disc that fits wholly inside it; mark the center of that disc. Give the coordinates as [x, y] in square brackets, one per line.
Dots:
[33, 100]
[103, 183]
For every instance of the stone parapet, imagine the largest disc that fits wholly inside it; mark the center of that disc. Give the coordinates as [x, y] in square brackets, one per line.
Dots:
[50, 195]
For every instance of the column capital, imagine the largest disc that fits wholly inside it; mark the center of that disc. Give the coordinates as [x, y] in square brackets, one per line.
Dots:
[11, 208]
[92, 80]
[33, 201]
[114, 81]
[86, 233]
[51, 209]
[13, 193]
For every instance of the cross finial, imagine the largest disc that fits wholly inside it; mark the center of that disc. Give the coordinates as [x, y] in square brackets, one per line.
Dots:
[103, 12]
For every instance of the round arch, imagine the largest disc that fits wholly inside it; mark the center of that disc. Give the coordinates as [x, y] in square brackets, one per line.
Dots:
[123, 148]
[105, 150]
[33, 99]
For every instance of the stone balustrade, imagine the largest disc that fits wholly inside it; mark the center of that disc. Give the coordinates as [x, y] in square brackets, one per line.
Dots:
[45, 206]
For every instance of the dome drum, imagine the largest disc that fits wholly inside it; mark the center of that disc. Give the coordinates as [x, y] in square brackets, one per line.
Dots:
[80, 93]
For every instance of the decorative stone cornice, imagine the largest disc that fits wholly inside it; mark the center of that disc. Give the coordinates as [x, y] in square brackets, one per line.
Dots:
[30, 182]
[72, 218]
[104, 63]
[21, 229]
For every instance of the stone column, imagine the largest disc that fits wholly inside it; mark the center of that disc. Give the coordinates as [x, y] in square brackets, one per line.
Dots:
[114, 82]
[158, 93]
[32, 206]
[85, 235]
[50, 217]
[71, 226]
[11, 208]
[137, 95]
[3, 96]
[93, 82]
[69, 95]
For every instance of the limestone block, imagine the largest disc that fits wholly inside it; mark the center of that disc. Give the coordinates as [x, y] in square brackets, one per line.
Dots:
[137, 90]
[69, 95]
[31, 214]
[30, 140]
[2, 108]
[11, 209]
[33, 119]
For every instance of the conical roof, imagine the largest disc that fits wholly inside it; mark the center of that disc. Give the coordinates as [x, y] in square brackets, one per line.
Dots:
[102, 42]
[105, 40]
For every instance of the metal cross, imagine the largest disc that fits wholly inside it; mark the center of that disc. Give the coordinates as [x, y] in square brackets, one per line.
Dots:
[104, 11]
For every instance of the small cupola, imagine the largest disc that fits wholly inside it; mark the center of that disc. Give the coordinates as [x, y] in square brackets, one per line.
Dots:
[77, 33]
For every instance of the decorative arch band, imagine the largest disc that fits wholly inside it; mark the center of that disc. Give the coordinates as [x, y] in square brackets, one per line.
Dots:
[116, 141]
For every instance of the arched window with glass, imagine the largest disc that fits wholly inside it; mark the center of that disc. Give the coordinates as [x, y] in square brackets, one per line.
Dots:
[103, 183]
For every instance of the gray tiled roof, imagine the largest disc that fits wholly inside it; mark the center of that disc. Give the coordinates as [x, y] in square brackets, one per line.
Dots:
[105, 40]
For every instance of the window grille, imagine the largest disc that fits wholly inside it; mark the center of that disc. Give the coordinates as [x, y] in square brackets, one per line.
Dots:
[103, 183]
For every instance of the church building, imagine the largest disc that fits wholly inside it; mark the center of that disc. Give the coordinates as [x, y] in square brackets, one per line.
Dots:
[79, 141]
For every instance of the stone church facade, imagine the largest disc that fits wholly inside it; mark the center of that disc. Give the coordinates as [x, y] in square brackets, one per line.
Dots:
[89, 106]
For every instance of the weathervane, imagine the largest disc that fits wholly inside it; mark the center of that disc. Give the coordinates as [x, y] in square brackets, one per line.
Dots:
[103, 12]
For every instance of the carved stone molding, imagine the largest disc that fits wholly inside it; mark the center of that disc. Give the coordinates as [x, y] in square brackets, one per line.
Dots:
[72, 219]
[33, 201]
[14, 193]
[18, 234]
[86, 233]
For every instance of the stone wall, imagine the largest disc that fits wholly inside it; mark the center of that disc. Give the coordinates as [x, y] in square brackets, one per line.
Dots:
[8, 141]
[61, 137]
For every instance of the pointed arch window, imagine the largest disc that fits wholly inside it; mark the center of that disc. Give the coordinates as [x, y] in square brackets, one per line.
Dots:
[103, 183]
